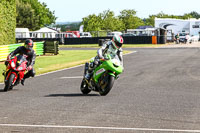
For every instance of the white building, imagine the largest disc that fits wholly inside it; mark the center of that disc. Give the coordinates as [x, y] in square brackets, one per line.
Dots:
[142, 32]
[43, 33]
[22, 33]
[191, 26]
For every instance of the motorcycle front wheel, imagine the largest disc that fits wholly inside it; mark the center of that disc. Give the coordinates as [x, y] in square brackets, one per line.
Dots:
[84, 87]
[106, 84]
[8, 84]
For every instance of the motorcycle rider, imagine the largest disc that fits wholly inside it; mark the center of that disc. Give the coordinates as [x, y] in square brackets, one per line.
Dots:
[113, 48]
[28, 51]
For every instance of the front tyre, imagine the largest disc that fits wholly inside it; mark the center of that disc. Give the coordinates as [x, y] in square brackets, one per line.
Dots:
[106, 86]
[84, 87]
[8, 84]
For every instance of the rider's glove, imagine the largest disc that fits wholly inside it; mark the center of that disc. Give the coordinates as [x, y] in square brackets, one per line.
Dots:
[106, 58]
[8, 57]
[29, 68]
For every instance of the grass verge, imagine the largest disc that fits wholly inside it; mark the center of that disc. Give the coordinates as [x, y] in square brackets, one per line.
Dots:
[65, 59]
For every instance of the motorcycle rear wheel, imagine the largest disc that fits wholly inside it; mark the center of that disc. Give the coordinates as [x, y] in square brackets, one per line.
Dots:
[107, 86]
[8, 84]
[84, 87]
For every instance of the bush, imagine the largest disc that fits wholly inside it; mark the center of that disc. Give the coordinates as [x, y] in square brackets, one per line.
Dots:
[7, 21]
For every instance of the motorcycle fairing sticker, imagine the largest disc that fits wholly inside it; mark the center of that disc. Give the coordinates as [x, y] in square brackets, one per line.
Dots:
[100, 71]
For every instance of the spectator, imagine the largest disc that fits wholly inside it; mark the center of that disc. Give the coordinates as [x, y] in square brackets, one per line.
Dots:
[187, 37]
[177, 38]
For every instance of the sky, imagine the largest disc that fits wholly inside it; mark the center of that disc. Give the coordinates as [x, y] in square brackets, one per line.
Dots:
[75, 10]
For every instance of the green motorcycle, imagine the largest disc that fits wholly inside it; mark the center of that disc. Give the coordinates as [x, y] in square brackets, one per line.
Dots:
[103, 76]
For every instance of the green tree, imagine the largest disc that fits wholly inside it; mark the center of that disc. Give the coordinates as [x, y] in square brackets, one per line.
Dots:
[130, 20]
[92, 23]
[26, 16]
[34, 15]
[110, 22]
[193, 15]
[150, 21]
[7, 21]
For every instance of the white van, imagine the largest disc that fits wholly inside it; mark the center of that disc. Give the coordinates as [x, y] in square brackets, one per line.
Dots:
[111, 34]
[85, 34]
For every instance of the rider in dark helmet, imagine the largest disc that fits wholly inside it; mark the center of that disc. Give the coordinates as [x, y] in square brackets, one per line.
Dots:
[27, 50]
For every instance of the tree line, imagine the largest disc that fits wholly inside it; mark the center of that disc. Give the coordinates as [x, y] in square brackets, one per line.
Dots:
[126, 20]
[33, 15]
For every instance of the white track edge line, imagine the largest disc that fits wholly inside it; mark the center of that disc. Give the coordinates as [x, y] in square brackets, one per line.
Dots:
[93, 127]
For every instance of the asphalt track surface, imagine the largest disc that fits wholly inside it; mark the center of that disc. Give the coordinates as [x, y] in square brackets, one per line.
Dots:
[157, 93]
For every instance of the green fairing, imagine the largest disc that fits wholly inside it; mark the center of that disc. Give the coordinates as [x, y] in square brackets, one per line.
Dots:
[108, 66]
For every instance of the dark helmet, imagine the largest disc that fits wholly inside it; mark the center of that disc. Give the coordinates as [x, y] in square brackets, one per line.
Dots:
[28, 44]
[117, 41]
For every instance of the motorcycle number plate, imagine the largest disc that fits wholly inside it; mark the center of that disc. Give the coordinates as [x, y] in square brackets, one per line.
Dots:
[100, 71]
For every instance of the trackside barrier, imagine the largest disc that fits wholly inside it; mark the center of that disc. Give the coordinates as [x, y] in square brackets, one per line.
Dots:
[154, 39]
[51, 47]
[6, 49]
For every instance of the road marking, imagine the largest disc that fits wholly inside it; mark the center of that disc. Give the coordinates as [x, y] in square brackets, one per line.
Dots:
[59, 70]
[131, 52]
[107, 128]
[76, 77]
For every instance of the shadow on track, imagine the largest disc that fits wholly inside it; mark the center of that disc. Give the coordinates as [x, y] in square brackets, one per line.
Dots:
[2, 90]
[71, 95]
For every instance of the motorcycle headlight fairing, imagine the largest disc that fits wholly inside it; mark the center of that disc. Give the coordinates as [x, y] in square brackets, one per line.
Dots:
[13, 64]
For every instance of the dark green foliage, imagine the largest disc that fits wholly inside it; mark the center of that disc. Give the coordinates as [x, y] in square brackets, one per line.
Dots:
[33, 15]
[7, 21]
[107, 21]
[130, 19]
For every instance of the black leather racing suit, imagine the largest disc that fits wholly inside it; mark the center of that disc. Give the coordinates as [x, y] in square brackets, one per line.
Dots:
[30, 58]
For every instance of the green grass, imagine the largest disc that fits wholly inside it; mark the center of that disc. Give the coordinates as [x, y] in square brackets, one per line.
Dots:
[97, 46]
[65, 59]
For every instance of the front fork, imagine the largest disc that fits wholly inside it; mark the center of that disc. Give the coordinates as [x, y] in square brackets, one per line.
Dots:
[7, 75]
[86, 68]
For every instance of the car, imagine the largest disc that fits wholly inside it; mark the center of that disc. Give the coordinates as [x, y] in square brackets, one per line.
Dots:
[182, 36]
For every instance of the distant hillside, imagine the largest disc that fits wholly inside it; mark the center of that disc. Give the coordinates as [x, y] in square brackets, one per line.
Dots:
[68, 26]
[65, 23]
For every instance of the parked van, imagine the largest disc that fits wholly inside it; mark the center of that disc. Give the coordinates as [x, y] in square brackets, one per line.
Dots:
[111, 34]
[85, 34]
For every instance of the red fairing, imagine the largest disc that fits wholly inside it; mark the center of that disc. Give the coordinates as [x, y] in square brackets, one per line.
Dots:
[22, 67]
[18, 71]
[21, 75]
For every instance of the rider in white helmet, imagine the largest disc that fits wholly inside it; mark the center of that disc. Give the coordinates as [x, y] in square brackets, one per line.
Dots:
[112, 47]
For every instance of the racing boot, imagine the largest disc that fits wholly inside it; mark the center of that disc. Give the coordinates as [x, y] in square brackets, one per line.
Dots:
[90, 70]
[22, 81]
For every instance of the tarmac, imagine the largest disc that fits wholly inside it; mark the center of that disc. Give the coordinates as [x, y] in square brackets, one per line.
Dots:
[181, 45]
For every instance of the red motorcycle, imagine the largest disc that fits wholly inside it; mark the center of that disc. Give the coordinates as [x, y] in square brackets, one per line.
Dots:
[15, 70]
